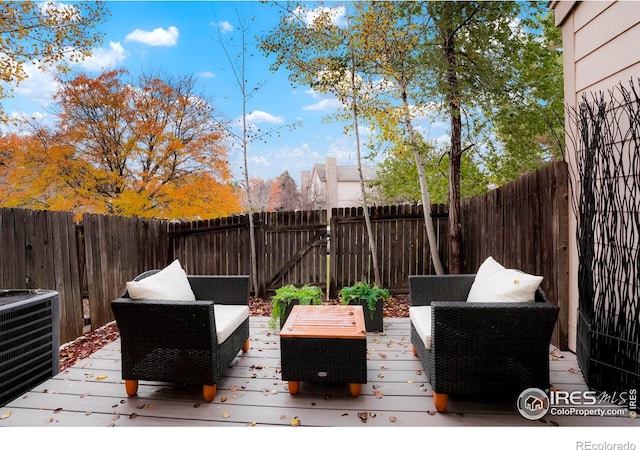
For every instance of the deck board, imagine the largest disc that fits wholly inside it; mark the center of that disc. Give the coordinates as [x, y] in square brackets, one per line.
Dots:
[397, 394]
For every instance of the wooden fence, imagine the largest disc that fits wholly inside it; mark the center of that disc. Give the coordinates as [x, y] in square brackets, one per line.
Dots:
[401, 240]
[290, 247]
[93, 260]
[38, 250]
[523, 224]
[116, 249]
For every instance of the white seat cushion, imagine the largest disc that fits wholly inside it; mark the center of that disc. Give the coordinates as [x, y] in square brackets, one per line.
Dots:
[171, 283]
[228, 318]
[421, 319]
[494, 283]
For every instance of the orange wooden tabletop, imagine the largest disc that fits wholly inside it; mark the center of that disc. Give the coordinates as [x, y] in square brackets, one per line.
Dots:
[328, 321]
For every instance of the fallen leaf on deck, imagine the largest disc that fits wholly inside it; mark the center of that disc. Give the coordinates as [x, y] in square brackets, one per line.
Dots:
[380, 375]
[363, 417]
[393, 419]
[223, 399]
[431, 412]
[378, 394]
[233, 388]
[133, 416]
[101, 377]
[226, 415]
[572, 370]
[5, 415]
[57, 410]
[410, 381]
[294, 422]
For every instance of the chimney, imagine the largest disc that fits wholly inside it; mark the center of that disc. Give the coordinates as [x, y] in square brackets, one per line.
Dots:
[304, 188]
[331, 168]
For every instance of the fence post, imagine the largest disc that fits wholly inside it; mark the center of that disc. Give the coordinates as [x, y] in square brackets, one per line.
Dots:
[258, 224]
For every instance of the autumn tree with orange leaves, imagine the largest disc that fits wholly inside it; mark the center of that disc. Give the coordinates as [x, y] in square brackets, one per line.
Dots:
[148, 149]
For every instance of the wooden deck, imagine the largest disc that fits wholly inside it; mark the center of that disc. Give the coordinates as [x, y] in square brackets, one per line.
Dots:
[91, 394]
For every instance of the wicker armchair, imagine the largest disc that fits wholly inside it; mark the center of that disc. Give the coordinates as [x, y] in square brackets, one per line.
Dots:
[480, 350]
[177, 340]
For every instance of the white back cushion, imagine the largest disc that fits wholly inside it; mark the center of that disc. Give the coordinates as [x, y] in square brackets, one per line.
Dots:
[171, 283]
[494, 283]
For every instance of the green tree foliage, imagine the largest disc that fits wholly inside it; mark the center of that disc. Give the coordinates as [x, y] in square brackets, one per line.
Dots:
[398, 177]
[492, 69]
[482, 61]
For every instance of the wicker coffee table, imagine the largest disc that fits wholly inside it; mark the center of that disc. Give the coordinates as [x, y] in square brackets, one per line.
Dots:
[324, 344]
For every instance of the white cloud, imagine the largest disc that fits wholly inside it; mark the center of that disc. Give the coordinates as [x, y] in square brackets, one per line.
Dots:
[302, 153]
[102, 58]
[207, 74]
[327, 104]
[263, 117]
[259, 161]
[224, 26]
[156, 38]
[39, 86]
[336, 14]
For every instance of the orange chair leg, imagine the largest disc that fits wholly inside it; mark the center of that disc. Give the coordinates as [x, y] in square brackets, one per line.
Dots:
[440, 401]
[355, 389]
[245, 347]
[208, 392]
[131, 386]
[294, 387]
[415, 352]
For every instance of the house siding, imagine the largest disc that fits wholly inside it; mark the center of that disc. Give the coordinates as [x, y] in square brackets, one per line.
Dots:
[601, 45]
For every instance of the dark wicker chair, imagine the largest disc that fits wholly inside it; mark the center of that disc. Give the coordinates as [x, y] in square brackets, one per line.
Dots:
[176, 340]
[481, 350]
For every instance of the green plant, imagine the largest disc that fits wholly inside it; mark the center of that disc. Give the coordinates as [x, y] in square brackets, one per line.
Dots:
[306, 295]
[363, 290]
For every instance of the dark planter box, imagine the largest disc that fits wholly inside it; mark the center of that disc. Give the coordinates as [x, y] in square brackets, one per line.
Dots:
[287, 311]
[372, 323]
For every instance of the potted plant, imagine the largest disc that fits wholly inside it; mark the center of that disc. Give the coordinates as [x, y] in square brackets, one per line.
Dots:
[370, 296]
[287, 296]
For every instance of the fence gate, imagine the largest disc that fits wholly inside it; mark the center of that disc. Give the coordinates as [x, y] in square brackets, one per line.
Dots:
[292, 249]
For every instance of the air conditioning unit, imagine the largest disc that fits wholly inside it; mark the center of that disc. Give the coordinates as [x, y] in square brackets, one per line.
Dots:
[29, 340]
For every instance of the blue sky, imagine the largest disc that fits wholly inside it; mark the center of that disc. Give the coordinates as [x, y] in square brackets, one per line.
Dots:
[181, 38]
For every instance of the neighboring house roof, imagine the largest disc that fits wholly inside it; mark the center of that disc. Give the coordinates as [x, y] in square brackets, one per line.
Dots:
[346, 173]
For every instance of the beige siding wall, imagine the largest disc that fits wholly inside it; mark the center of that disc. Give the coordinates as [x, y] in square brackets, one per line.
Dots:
[601, 42]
